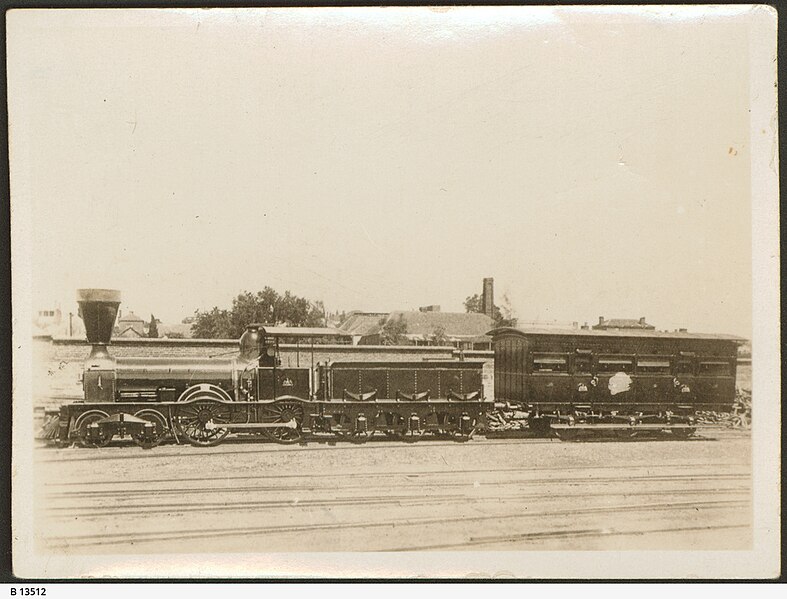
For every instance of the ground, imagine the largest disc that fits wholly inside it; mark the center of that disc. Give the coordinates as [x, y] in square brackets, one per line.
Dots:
[487, 494]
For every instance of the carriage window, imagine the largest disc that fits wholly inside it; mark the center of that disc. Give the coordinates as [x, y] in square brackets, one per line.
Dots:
[583, 364]
[715, 368]
[684, 367]
[615, 364]
[653, 365]
[549, 363]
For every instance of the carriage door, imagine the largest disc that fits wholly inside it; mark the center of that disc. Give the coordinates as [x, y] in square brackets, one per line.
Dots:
[510, 369]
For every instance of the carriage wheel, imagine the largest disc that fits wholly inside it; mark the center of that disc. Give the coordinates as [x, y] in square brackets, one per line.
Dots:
[346, 429]
[199, 421]
[453, 428]
[161, 429]
[84, 420]
[284, 411]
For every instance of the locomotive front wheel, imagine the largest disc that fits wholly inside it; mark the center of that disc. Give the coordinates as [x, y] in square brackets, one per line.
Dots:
[200, 422]
[285, 412]
[101, 439]
[160, 432]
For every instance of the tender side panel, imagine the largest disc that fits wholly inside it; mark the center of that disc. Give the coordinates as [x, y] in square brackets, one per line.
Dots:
[405, 379]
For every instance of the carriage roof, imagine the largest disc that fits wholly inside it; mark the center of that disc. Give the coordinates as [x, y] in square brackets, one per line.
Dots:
[618, 333]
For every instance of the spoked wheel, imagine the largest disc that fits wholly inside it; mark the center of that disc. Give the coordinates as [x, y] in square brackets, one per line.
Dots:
[160, 430]
[200, 421]
[287, 412]
[347, 428]
[101, 439]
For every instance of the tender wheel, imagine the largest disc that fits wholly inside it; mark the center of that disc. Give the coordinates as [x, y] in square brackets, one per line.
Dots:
[395, 426]
[160, 432]
[456, 430]
[347, 425]
[200, 422]
[84, 421]
[286, 412]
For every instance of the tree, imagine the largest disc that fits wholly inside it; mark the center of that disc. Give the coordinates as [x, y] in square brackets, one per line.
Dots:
[266, 307]
[503, 318]
[439, 337]
[153, 328]
[393, 331]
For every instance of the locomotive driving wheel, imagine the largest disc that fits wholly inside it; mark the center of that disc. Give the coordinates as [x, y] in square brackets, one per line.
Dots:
[289, 413]
[88, 437]
[159, 432]
[200, 421]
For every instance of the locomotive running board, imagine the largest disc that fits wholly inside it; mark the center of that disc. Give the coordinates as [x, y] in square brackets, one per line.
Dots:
[623, 426]
[291, 424]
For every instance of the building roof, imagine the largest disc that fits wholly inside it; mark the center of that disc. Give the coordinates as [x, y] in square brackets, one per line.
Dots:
[624, 323]
[298, 332]
[455, 324]
[617, 333]
[363, 323]
[130, 317]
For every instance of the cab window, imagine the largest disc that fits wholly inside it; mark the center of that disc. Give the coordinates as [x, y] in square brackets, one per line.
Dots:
[583, 365]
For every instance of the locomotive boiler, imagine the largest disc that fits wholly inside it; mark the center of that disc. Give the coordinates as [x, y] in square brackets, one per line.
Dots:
[201, 401]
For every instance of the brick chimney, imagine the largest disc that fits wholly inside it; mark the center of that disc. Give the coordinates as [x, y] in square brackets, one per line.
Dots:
[601, 320]
[488, 297]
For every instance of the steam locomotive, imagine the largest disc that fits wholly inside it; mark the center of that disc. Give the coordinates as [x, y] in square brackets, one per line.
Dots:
[202, 401]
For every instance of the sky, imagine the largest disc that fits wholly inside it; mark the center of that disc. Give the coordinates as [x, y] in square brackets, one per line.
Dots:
[594, 162]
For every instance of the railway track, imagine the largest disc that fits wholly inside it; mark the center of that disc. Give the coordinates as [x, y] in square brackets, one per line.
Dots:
[489, 495]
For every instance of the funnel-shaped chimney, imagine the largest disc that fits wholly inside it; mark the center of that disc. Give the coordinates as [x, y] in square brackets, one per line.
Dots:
[98, 309]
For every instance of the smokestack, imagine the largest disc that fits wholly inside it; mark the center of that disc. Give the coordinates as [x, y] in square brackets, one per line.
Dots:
[642, 320]
[601, 320]
[488, 297]
[98, 309]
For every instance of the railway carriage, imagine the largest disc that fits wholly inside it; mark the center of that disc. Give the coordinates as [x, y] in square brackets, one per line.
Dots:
[624, 381]
[202, 401]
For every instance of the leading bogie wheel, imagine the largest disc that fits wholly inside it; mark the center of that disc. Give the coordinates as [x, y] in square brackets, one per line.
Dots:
[199, 421]
[99, 439]
[157, 435]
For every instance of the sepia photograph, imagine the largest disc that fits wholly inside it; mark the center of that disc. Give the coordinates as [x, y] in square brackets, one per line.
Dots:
[470, 292]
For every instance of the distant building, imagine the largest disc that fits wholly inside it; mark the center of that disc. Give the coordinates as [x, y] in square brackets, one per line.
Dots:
[130, 325]
[622, 323]
[458, 329]
[362, 324]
